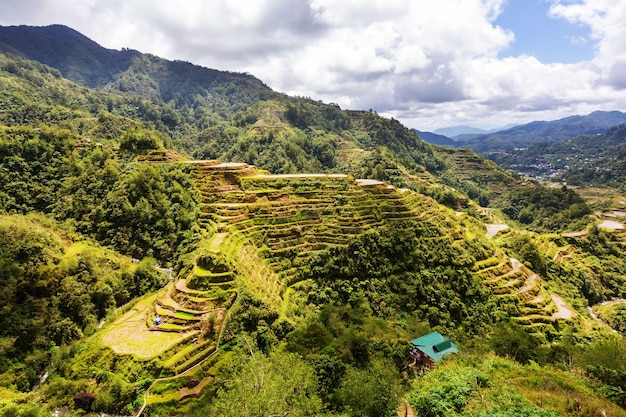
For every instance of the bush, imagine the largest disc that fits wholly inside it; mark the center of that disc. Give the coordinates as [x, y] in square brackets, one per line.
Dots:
[446, 391]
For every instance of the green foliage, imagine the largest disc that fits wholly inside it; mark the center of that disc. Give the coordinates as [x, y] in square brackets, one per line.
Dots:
[146, 277]
[519, 412]
[596, 270]
[615, 316]
[31, 166]
[513, 341]
[373, 391]
[23, 410]
[278, 384]
[546, 209]
[153, 208]
[522, 247]
[484, 385]
[135, 140]
[444, 393]
[605, 358]
[402, 268]
[53, 295]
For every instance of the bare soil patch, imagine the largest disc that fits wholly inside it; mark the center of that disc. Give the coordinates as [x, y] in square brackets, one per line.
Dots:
[563, 310]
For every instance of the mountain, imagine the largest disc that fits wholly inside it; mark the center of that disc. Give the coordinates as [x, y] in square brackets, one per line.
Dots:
[234, 250]
[77, 57]
[453, 131]
[523, 136]
[213, 114]
[436, 139]
[84, 61]
[585, 160]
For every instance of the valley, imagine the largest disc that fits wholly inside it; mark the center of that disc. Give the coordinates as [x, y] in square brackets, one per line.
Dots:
[176, 240]
[262, 231]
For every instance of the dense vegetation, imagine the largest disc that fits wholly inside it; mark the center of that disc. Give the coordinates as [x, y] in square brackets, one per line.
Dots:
[56, 288]
[52, 171]
[586, 160]
[292, 295]
[546, 209]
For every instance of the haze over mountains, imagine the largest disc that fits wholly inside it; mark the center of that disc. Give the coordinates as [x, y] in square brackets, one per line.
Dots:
[453, 131]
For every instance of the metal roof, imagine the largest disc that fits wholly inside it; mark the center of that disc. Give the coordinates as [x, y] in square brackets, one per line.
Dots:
[435, 345]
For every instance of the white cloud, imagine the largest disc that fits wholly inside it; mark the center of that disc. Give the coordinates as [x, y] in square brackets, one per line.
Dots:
[427, 63]
[606, 20]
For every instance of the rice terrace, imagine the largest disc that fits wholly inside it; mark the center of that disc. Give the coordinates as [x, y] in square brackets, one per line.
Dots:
[177, 240]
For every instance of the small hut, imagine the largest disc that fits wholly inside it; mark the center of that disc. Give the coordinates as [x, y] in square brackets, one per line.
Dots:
[430, 349]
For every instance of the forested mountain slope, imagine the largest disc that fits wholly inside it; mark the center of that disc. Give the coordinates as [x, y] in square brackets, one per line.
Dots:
[283, 135]
[288, 277]
[77, 57]
[523, 136]
[82, 60]
[585, 160]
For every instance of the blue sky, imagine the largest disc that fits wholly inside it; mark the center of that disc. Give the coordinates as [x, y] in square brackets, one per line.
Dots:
[429, 64]
[549, 39]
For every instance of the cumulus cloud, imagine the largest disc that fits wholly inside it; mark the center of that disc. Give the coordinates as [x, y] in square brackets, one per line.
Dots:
[426, 63]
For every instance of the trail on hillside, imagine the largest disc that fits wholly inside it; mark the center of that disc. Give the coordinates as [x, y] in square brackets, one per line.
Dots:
[564, 311]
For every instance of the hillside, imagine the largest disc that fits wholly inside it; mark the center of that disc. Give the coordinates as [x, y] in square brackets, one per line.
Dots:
[283, 135]
[230, 250]
[523, 136]
[586, 160]
[82, 60]
[283, 253]
[77, 57]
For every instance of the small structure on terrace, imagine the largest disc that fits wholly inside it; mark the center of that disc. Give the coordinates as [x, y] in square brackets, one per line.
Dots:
[430, 349]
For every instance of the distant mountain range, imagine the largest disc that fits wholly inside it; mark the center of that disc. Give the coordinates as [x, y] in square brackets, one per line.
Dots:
[436, 139]
[523, 136]
[453, 131]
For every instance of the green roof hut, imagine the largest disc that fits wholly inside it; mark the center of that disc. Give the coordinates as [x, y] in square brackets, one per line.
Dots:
[429, 349]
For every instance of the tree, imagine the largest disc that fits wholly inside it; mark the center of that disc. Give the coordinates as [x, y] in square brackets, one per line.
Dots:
[373, 391]
[280, 384]
[136, 140]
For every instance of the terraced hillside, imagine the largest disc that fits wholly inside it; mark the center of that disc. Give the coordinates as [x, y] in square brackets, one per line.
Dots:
[264, 232]
[266, 229]
[272, 226]
[535, 307]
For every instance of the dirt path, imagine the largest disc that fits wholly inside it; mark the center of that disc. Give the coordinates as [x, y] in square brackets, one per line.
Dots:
[515, 264]
[529, 284]
[593, 315]
[493, 229]
[563, 310]
[611, 302]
